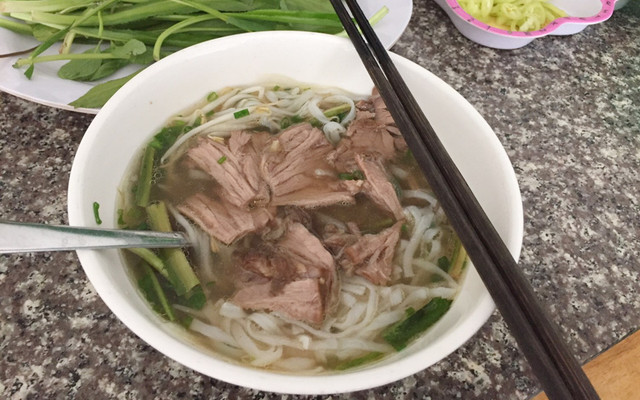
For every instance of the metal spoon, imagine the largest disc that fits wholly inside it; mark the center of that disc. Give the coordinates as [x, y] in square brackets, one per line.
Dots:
[20, 237]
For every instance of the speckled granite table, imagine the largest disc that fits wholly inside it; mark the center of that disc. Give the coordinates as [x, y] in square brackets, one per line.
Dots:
[567, 109]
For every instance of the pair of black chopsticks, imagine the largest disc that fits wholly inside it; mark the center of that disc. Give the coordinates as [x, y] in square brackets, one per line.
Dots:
[559, 373]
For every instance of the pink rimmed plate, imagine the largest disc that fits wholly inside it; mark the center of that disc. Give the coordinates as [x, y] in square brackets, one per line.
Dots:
[580, 13]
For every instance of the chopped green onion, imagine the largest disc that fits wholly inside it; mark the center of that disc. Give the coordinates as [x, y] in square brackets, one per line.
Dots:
[241, 113]
[355, 175]
[121, 222]
[212, 96]
[222, 159]
[96, 212]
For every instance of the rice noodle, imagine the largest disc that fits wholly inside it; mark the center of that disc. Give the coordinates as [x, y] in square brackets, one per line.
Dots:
[332, 131]
[296, 364]
[421, 224]
[196, 131]
[212, 332]
[261, 357]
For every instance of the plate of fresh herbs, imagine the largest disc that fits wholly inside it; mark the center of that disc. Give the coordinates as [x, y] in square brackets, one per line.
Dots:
[74, 54]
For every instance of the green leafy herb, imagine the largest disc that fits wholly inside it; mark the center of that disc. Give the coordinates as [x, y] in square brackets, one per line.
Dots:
[142, 31]
[400, 334]
[95, 64]
[194, 299]
[155, 295]
[444, 263]
[356, 362]
[98, 95]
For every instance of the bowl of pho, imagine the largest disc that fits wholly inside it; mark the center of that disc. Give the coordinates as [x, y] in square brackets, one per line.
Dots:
[321, 261]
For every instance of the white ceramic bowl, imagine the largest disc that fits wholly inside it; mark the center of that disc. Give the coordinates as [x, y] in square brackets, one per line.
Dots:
[143, 105]
[580, 13]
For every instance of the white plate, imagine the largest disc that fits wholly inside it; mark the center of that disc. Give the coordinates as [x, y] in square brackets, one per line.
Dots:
[46, 88]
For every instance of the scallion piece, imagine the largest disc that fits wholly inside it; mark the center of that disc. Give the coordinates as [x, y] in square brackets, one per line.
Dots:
[241, 113]
[152, 259]
[143, 188]
[355, 175]
[96, 212]
[179, 271]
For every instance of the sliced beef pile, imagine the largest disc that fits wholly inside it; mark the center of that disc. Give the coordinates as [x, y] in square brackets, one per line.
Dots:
[373, 132]
[294, 275]
[377, 185]
[297, 170]
[235, 166]
[256, 171]
[224, 220]
[369, 255]
[266, 182]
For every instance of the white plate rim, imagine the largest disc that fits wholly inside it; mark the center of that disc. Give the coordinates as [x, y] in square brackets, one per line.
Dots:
[47, 89]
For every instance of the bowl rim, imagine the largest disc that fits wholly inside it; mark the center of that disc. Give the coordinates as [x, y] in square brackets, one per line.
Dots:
[180, 350]
[606, 11]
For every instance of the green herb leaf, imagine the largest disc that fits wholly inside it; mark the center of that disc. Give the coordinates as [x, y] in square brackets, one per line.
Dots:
[444, 263]
[80, 70]
[97, 96]
[400, 334]
[153, 292]
[164, 139]
[133, 47]
[356, 362]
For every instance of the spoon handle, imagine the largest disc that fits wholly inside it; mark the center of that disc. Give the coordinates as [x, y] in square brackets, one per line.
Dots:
[20, 237]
